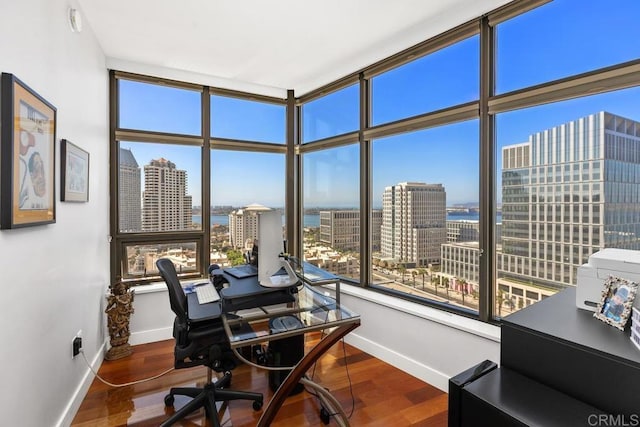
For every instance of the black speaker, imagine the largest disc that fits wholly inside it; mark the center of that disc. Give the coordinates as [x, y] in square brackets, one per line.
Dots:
[285, 351]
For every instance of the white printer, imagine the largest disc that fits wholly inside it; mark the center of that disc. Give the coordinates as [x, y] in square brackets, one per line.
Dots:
[622, 263]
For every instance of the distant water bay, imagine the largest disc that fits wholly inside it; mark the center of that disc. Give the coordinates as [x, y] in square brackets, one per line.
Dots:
[314, 219]
[309, 220]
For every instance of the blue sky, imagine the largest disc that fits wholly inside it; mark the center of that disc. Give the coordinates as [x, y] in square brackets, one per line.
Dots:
[559, 39]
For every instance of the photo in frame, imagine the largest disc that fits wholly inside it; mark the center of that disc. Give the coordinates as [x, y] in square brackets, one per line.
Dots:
[74, 173]
[27, 152]
[616, 301]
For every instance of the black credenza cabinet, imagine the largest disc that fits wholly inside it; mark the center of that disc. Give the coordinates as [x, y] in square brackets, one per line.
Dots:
[560, 366]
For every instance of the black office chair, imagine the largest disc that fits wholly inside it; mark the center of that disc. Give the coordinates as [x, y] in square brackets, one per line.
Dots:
[202, 343]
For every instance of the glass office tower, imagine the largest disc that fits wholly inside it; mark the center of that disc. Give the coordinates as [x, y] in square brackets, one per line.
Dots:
[130, 209]
[566, 193]
[340, 229]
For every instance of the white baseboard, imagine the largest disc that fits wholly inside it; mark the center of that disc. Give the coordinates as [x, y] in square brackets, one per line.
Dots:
[81, 391]
[151, 335]
[410, 366]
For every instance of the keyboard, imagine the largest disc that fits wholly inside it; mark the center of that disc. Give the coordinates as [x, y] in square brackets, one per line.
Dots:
[207, 293]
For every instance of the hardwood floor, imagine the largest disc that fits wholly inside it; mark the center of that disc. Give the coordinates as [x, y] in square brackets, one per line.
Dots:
[373, 392]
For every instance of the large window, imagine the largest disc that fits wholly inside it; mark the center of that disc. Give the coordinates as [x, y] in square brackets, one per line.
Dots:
[159, 187]
[563, 38]
[569, 186]
[566, 170]
[331, 115]
[442, 79]
[475, 155]
[332, 211]
[151, 107]
[425, 206]
[139, 261]
[236, 118]
[160, 152]
[243, 184]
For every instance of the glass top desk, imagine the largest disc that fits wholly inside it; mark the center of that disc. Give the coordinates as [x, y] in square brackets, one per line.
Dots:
[314, 276]
[315, 311]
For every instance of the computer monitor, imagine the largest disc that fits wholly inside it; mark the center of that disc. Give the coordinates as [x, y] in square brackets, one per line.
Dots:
[270, 249]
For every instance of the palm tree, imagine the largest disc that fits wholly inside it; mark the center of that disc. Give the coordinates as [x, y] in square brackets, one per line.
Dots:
[463, 288]
[434, 282]
[394, 268]
[402, 269]
[445, 281]
[422, 272]
[414, 274]
[501, 297]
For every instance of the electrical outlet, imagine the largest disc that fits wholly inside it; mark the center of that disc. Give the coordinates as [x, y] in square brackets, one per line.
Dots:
[76, 344]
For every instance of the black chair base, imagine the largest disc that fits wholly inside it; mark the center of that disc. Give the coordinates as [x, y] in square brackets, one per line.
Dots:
[206, 398]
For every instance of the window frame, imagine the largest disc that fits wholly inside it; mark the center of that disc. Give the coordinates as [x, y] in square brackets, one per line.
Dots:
[119, 241]
[610, 78]
[607, 79]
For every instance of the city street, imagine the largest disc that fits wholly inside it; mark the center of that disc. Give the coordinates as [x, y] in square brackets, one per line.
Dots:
[394, 281]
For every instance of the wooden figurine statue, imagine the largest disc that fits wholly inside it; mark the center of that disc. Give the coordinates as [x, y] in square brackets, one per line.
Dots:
[119, 310]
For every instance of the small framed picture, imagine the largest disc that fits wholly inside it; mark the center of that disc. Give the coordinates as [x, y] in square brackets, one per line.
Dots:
[616, 301]
[74, 175]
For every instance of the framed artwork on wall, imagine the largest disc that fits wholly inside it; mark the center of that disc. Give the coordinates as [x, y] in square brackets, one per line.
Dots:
[27, 152]
[74, 173]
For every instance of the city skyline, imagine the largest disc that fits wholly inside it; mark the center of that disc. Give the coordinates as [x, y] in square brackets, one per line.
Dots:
[564, 150]
[539, 234]
[255, 166]
[446, 155]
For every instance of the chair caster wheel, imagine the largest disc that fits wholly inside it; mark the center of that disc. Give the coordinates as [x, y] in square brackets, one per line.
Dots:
[257, 405]
[325, 417]
[168, 400]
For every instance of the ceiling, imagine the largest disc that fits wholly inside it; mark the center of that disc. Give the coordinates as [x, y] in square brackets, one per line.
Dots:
[266, 46]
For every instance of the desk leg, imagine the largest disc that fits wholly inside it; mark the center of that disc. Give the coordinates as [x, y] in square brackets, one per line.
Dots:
[300, 369]
[329, 402]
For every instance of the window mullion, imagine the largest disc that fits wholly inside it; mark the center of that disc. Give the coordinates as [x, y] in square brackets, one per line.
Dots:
[487, 191]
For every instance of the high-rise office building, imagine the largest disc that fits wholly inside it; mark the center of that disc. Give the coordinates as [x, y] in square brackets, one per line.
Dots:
[129, 203]
[460, 255]
[568, 192]
[459, 231]
[461, 260]
[340, 229]
[413, 222]
[243, 225]
[166, 205]
[462, 231]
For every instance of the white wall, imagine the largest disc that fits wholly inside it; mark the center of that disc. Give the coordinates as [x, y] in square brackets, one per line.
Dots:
[54, 277]
[152, 319]
[427, 343]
